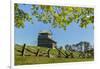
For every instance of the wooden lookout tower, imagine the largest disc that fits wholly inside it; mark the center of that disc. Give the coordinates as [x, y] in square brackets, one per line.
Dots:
[45, 40]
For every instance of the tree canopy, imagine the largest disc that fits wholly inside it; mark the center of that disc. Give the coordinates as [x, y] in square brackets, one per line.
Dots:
[57, 16]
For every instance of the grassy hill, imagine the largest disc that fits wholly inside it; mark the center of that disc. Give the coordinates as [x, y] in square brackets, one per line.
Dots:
[31, 58]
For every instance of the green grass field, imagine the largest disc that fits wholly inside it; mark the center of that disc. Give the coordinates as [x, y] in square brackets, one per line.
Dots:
[31, 58]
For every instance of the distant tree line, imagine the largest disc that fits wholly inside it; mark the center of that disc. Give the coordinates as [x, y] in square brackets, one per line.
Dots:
[85, 49]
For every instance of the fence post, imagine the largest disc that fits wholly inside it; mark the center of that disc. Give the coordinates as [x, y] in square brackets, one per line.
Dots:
[59, 53]
[48, 52]
[71, 55]
[66, 55]
[23, 49]
[37, 52]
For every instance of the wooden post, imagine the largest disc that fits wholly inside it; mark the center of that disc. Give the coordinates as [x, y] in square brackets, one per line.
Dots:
[71, 55]
[23, 49]
[48, 52]
[37, 52]
[59, 53]
[66, 55]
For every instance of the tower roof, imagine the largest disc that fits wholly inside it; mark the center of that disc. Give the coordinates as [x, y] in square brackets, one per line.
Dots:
[45, 31]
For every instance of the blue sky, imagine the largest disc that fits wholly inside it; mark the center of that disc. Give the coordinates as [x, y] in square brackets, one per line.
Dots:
[73, 34]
